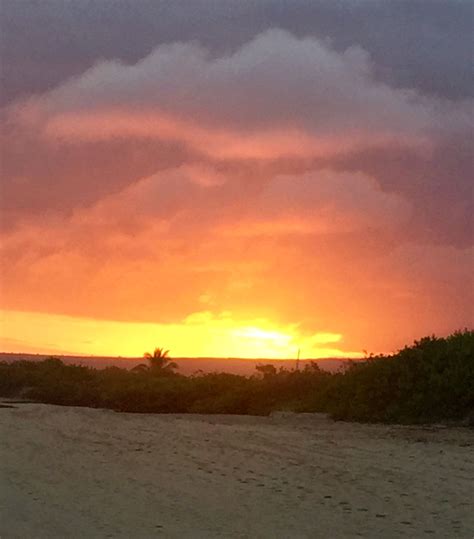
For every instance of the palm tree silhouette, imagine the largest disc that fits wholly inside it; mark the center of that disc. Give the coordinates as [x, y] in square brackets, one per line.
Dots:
[158, 362]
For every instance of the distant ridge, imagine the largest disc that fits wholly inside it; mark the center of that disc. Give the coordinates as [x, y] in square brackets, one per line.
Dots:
[187, 366]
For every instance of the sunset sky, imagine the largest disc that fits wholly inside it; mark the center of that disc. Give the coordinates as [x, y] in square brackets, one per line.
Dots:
[241, 179]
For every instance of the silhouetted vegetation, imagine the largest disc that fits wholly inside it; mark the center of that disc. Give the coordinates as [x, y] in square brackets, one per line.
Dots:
[159, 363]
[432, 380]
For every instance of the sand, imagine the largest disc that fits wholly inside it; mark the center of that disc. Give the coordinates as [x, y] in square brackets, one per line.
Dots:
[77, 472]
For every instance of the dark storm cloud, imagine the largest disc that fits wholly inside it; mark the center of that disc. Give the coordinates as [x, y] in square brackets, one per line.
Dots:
[414, 43]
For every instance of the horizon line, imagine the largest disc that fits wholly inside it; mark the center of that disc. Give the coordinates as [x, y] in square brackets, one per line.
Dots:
[86, 356]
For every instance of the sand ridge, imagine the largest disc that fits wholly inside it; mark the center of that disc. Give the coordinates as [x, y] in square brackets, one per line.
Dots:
[85, 473]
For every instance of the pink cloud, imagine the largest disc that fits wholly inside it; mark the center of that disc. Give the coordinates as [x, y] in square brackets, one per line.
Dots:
[277, 96]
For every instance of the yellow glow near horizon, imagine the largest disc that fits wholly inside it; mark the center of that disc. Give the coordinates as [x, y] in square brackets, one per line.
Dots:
[254, 333]
[199, 335]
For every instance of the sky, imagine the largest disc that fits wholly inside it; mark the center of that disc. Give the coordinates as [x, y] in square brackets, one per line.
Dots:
[235, 178]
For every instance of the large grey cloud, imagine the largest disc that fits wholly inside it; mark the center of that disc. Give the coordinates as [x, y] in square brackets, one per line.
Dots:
[414, 43]
[337, 110]
[274, 82]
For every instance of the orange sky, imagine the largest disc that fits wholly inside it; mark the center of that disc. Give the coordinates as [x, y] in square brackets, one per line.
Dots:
[188, 202]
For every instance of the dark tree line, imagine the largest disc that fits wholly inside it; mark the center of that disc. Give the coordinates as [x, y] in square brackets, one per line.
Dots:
[432, 380]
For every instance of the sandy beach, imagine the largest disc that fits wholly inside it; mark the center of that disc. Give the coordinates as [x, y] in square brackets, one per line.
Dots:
[78, 472]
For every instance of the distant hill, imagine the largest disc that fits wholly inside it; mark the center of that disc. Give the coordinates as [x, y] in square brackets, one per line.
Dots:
[187, 366]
